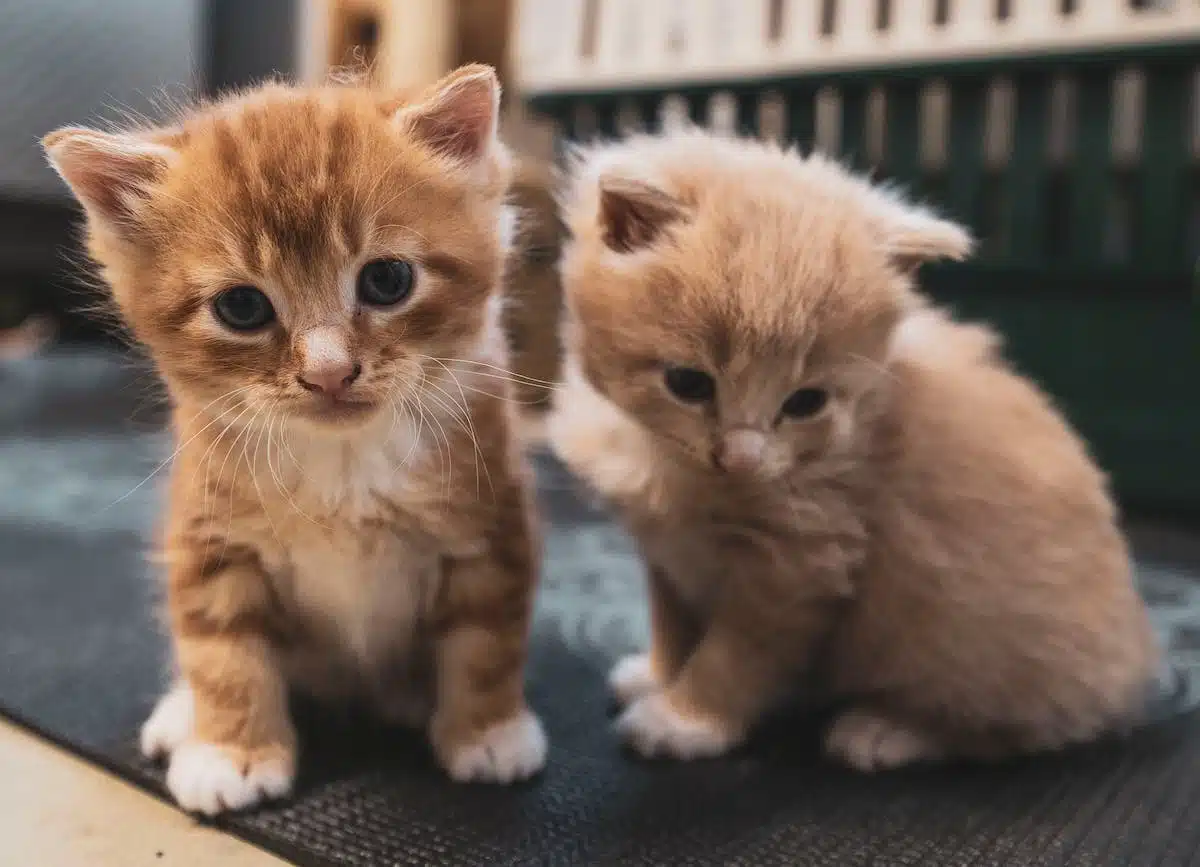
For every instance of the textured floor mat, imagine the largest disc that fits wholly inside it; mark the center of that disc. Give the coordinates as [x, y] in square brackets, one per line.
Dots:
[81, 660]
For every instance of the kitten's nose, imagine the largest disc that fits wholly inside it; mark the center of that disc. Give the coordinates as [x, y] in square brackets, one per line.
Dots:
[740, 450]
[327, 366]
[330, 379]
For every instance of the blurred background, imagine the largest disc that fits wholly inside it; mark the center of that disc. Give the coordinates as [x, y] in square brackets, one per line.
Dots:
[1066, 133]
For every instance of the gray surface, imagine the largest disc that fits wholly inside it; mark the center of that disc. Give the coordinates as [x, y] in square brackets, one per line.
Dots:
[81, 660]
[252, 41]
[74, 61]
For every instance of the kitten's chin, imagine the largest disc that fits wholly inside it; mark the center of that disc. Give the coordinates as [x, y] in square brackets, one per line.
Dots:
[759, 474]
[335, 415]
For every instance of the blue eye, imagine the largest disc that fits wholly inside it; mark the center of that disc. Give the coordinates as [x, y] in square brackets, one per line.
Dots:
[244, 308]
[805, 402]
[385, 282]
[690, 385]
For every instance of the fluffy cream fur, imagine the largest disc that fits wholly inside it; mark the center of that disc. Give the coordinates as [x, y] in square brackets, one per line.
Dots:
[869, 504]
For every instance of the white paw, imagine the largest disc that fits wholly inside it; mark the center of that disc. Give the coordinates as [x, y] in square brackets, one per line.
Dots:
[868, 743]
[654, 728]
[508, 751]
[632, 678]
[204, 779]
[170, 724]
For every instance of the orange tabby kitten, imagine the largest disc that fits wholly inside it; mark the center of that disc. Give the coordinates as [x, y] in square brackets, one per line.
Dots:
[833, 485]
[315, 273]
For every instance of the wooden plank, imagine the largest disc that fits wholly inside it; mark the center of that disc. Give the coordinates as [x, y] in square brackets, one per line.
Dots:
[1161, 206]
[965, 149]
[801, 111]
[902, 150]
[854, 113]
[1091, 175]
[1027, 170]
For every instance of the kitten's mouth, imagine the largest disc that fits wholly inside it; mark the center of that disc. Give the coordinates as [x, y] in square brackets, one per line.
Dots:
[336, 410]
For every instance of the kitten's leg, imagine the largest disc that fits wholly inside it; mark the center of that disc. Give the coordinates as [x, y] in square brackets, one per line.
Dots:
[870, 741]
[673, 636]
[746, 661]
[482, 729]
[225, 728]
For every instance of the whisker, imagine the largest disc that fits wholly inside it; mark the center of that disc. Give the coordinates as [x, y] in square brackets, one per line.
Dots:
[466, 422]
[206, 462]
[251, 461]
[182, 445]
[444, 439]
[500, 372]
[445, 460]
[244, 432]
[265, 431]
[280, 483]
[412, 448]
[463, 423]
[516, 401]
[874, 365]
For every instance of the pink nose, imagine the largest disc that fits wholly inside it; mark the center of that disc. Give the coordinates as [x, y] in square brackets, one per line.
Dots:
[330, 379]
[740, 450]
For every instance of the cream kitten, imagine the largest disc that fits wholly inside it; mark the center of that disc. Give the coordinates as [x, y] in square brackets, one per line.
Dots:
[315, 273]
[834, 486]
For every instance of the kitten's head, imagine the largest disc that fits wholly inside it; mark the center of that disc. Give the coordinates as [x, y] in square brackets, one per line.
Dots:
[312, 253]
[736, 299]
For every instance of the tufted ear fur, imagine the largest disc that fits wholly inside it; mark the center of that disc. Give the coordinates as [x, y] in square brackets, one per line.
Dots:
[633, 213]
[458, 117]
[913, 235]
[112, 175]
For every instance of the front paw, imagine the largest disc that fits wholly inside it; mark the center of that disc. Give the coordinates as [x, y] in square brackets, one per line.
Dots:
[632, 678]
[654, 727]
[170, 724]
[507, 751]
[206, 778]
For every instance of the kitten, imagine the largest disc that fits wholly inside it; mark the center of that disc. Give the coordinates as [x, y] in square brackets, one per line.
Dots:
[315, 273]
[834, 486]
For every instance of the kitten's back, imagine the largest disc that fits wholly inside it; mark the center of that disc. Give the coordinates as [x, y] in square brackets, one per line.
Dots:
[992, 523]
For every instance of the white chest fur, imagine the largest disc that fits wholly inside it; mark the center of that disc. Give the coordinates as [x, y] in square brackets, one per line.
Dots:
[347, 564]
[366, 590]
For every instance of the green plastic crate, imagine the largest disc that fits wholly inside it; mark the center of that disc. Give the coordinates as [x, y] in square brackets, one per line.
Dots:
[1089, 254]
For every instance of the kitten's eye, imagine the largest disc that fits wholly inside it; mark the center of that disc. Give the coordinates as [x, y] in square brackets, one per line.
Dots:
[385, 282]
[244, 308]
[805, 402]
[690, 385]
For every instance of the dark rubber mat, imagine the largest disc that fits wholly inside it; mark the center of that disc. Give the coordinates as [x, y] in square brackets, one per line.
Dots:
[81, 660]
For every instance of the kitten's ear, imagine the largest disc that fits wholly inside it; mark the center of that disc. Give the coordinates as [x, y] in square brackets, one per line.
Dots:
[112, 175]
[458, 116]
[913, 235]
[633, 213]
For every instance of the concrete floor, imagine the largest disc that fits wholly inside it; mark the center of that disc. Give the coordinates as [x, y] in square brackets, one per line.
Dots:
[59, 811]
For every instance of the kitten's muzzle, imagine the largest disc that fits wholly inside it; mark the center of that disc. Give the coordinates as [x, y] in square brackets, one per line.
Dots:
[741, 450]
[331, 380]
